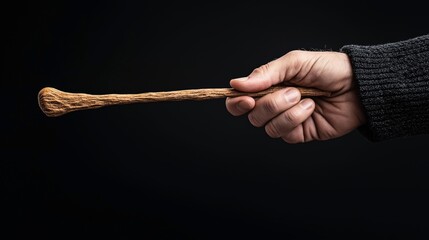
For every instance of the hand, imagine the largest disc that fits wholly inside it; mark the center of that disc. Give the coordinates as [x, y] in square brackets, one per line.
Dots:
[284, 114]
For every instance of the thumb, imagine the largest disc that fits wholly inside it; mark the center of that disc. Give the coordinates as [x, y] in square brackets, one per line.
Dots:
[263, 77]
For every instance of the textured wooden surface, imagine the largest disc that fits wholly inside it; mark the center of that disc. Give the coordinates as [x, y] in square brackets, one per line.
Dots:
[54, 102]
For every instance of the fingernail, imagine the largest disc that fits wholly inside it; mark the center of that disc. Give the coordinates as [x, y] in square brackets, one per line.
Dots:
[291, 95]
[307, 103]
[242, 79]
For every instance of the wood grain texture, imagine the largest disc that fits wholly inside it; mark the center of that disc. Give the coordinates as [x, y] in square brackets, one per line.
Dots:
[54, 102]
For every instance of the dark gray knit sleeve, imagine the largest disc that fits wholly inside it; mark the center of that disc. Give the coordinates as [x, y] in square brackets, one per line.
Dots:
[393, 83]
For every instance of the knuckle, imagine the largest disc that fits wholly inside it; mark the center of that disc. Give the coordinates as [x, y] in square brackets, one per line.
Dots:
[294, 53]
[291, 117]
[293, 138]
[272, 130]
[254, 120]
[271, 106]
[296, 58]
[262, 69]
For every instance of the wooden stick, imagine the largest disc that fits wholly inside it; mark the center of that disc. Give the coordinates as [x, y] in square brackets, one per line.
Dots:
[54, 102]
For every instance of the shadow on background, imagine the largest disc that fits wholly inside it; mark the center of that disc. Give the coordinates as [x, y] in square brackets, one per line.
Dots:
[190, 170]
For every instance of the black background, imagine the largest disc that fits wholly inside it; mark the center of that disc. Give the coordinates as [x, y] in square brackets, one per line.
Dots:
[189, 170]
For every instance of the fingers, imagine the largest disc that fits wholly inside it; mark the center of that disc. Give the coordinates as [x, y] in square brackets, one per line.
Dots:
[282, 113]
[287, 124]
[239, 105]
[271, 105]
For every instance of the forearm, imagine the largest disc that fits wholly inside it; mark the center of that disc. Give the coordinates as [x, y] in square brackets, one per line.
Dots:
[393, 83]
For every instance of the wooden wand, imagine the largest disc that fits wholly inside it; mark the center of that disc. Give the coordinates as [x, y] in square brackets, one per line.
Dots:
[54, 102]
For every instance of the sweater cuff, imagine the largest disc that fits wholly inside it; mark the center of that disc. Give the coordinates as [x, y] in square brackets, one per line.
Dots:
[393, 83]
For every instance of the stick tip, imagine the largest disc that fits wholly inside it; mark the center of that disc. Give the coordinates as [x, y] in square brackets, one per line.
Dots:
[48, 102]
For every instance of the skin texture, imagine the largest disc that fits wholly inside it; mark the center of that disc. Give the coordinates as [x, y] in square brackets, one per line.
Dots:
[284, 114]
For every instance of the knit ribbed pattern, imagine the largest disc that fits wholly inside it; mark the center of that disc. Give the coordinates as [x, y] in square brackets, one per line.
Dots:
[393, 81]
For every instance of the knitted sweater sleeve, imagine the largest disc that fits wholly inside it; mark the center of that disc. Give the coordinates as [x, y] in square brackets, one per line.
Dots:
[393, 83]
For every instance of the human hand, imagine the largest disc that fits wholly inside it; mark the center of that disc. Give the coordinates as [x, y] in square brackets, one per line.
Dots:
[284, 114]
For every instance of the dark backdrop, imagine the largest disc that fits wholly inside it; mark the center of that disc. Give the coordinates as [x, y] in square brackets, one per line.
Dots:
[189, 170]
